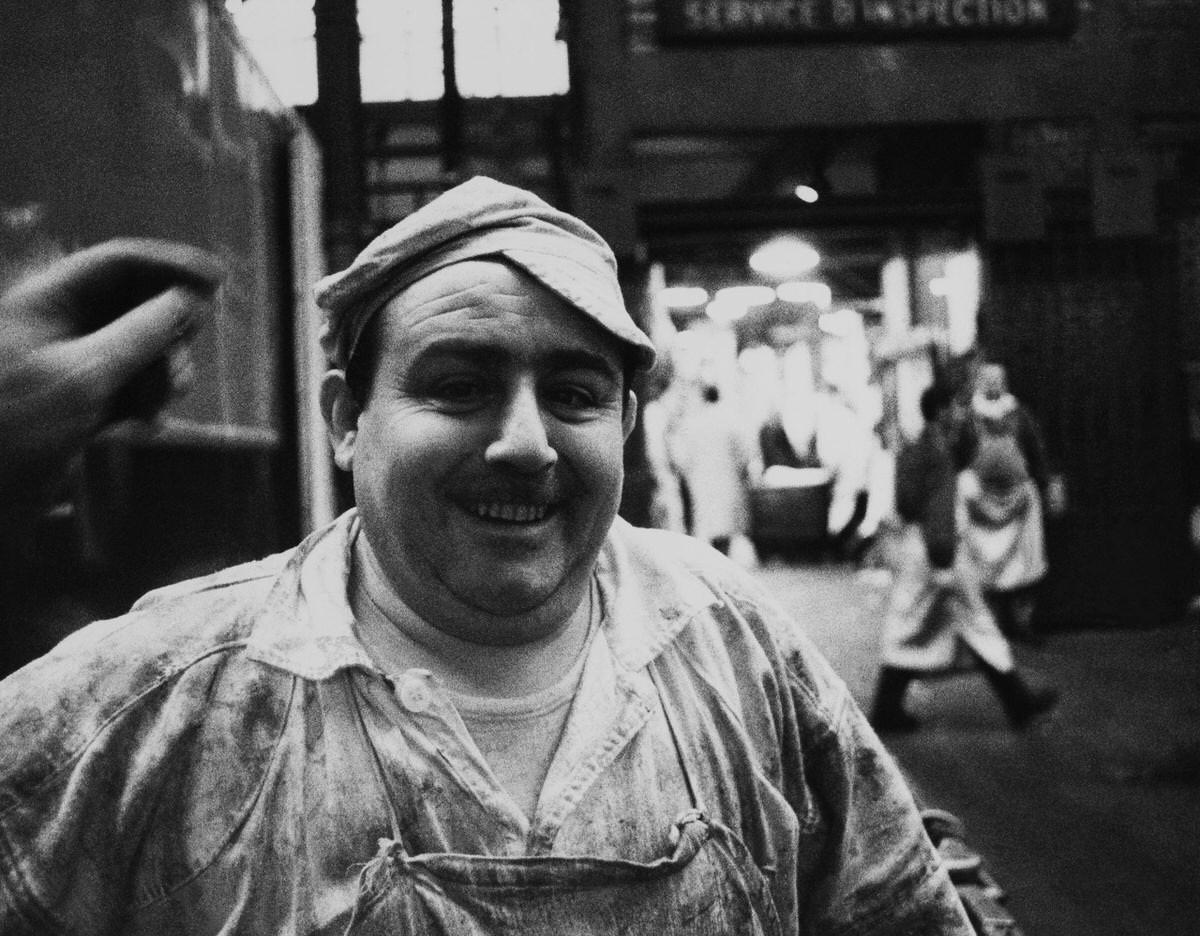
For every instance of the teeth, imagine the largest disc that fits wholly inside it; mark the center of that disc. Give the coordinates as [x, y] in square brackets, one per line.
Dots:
[513, 513]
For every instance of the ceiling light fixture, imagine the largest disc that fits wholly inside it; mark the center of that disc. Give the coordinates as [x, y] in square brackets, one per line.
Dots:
[746, 295]
[784, 257]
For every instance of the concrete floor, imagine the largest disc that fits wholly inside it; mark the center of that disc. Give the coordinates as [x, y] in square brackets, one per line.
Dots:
[1090, 821]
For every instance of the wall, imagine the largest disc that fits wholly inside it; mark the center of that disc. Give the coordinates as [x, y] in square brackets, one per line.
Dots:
[147, 119]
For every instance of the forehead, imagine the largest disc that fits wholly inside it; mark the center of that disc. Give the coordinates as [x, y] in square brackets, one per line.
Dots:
[489, 304]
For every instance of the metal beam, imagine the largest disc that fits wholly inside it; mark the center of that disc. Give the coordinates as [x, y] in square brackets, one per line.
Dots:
[339, 127]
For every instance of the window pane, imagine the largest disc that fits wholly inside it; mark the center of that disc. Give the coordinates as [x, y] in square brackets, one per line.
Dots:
[506, 49]
[279, 34]
[401, 54]
[503, 48]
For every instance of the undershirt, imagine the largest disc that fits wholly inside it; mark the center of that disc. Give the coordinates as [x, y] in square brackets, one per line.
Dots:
[518, 737]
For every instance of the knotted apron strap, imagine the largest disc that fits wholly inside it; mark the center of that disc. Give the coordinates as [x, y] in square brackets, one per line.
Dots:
[386, 787]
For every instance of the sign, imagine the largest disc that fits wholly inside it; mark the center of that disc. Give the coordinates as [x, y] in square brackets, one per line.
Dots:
[686, 22]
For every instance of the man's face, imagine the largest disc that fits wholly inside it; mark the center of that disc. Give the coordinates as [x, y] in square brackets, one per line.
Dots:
[487, 458]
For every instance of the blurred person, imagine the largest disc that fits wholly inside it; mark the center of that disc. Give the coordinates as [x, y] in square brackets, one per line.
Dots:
[709, 449]
[666, 509]
[90, 339]
[775, 448]
[1002, 494]
[936, 619]
[880, 500]
[846, 445]
[478, 702]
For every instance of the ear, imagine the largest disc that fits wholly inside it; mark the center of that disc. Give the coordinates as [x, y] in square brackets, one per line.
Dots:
[341, 413]
[629, 414]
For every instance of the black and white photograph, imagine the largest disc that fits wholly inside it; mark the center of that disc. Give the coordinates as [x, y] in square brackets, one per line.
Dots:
[595, 467]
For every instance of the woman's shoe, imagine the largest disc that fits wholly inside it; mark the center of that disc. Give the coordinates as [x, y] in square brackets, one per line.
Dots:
[1036, 703]
[887, 712]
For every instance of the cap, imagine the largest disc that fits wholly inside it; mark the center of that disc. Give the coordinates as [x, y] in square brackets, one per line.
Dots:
[477, 219]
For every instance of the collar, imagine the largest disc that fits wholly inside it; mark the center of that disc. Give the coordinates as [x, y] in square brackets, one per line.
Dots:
[651, 590]
[306, 626]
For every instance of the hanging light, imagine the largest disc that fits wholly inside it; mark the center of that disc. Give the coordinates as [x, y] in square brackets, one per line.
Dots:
[807, 194]
[805, 291]
[733, 302]
[746, 295]
[784, 257]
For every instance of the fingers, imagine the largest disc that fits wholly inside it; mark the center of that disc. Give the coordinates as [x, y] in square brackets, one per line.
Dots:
[114, 262]
[90, 288]
[154, 330]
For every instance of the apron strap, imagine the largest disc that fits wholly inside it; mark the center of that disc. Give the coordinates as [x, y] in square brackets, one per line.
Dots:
[380, 773]
[681, 752]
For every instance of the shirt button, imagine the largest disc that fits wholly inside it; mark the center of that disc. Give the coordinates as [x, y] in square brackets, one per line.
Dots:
[415, 695]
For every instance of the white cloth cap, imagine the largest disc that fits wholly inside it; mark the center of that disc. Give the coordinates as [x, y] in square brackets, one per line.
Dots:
[479, 218]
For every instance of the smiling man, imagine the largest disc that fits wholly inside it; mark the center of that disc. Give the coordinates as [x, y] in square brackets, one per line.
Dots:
[487, 456]
[479, 702]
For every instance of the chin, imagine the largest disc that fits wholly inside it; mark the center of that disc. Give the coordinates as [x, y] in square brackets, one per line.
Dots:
[523, 611]
[517, 599]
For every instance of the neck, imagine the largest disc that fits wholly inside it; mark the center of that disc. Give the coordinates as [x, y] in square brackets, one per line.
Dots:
[398, 638]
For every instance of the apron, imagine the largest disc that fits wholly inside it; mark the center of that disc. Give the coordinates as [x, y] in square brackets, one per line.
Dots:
[708, 884]
[927, 625]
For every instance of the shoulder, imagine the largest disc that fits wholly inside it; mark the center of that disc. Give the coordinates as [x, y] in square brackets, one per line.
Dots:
[679, 571]
[734, 633]
[170, 625]
[136, 747]
[112, 673]
[653, 548]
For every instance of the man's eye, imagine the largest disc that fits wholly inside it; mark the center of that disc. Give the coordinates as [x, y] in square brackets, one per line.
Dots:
[459, 390]
[572, 396]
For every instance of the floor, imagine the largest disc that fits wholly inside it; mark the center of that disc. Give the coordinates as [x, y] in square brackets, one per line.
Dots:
[1090, 821]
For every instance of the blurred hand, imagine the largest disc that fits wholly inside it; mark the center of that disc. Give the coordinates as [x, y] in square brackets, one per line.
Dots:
[96, 337]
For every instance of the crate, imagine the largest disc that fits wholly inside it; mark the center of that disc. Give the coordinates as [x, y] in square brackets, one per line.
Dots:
[790, 513]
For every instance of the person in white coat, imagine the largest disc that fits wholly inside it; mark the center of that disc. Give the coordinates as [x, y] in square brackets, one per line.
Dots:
[711, 453]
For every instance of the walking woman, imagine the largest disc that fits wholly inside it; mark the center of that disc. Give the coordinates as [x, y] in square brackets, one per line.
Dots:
[937, 619]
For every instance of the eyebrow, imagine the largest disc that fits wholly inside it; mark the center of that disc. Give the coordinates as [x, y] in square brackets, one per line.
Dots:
[490, 355]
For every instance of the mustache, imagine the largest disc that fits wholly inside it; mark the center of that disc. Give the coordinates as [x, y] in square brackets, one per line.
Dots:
[544, 490]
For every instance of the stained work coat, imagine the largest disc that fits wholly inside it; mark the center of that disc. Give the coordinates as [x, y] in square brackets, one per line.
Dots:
[212, 761]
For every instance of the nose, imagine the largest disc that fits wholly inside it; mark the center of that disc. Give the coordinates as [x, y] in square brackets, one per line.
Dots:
[522, 443]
